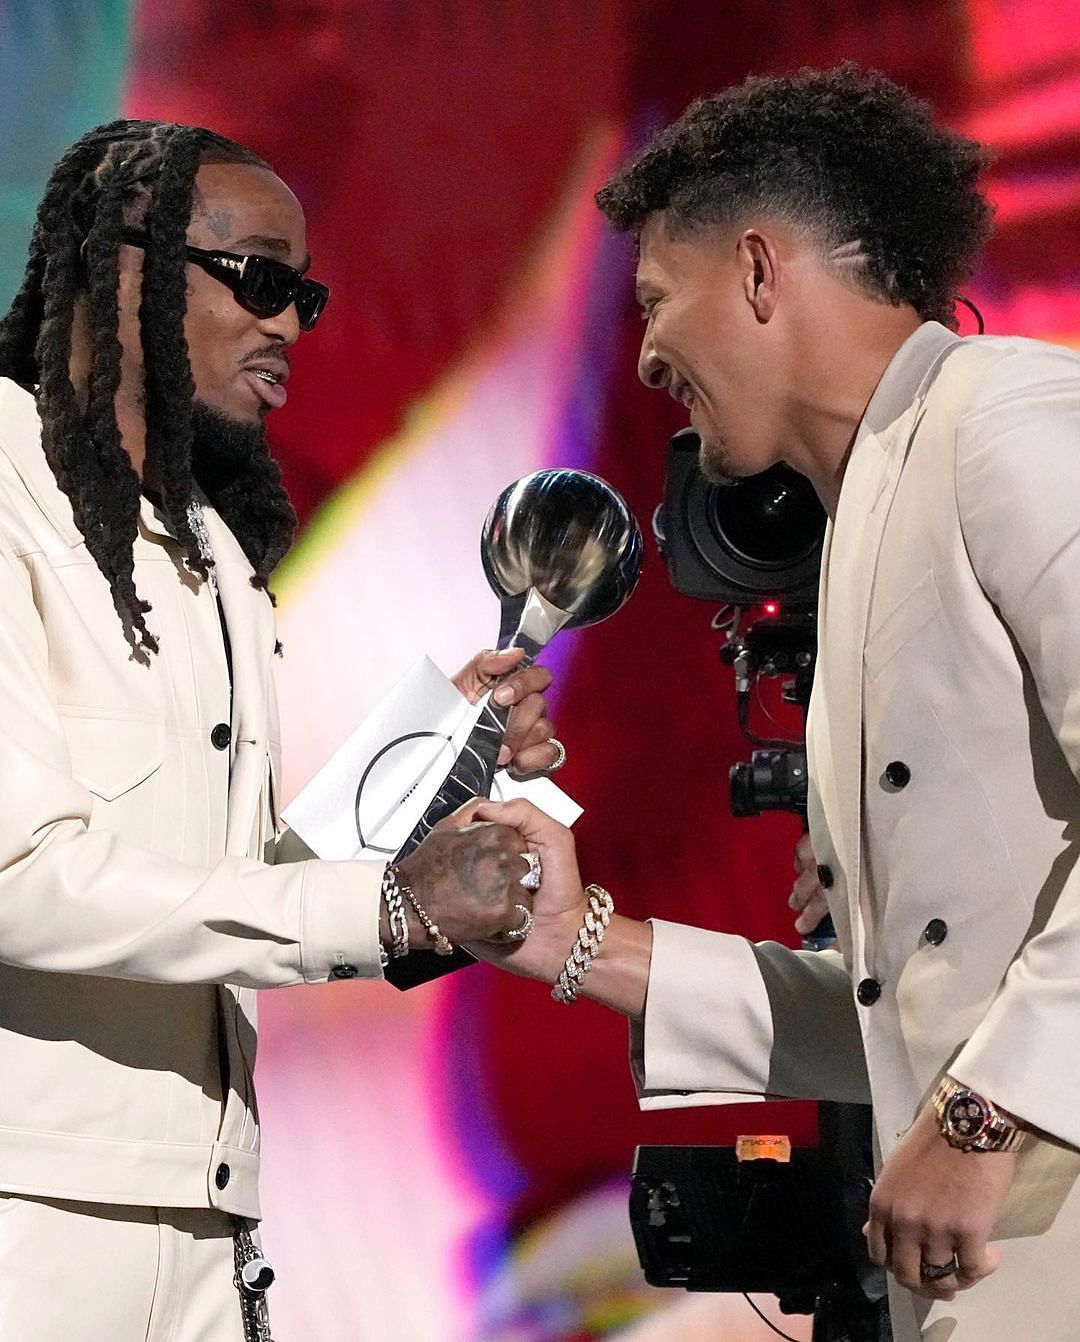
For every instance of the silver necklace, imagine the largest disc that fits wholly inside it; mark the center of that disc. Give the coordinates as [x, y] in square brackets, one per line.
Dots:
[197, 523]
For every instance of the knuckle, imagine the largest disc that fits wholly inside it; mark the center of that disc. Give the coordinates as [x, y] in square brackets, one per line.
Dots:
[907, 1221]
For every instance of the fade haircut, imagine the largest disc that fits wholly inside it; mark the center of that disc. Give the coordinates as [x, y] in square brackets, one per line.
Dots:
[129, 174]
[847, 156]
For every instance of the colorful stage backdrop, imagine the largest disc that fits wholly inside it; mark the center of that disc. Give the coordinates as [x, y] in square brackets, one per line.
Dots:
[450, 1165]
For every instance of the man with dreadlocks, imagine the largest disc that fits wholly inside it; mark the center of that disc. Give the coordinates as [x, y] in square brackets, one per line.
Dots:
[143, 895]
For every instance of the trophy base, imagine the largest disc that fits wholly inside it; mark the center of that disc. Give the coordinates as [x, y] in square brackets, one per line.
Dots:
[423, 966]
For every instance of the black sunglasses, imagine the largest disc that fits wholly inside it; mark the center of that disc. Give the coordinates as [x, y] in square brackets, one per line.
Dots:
[263, 286]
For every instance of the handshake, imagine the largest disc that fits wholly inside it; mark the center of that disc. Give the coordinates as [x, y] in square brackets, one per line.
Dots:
[493, 874]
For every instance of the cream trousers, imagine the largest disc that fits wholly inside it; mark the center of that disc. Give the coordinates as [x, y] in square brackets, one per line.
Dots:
[82, 1272]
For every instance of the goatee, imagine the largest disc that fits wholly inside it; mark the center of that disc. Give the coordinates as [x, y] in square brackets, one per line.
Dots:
[223, 449]
[712, 460]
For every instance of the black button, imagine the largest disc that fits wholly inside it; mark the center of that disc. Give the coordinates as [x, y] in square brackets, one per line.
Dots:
[936, 930]
[221, 1175]
[344, 972]
[897, 774]
[868, 992]
[825, 876]
[221, 736]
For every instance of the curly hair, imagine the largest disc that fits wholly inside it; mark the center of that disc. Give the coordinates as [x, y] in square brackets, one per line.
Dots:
[123, 174]
[846, 155]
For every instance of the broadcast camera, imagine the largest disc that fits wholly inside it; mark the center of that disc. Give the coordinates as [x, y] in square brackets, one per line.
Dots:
[702, 1217]
[754, 547]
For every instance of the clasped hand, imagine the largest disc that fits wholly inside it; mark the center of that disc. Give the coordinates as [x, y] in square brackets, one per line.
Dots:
[932, 1201]
[526, 746]
[467, 877]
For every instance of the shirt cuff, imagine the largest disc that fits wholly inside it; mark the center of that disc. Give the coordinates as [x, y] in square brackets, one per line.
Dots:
[339, 920]
[707, 1035]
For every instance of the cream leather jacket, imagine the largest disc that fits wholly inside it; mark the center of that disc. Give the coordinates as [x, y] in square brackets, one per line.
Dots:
[139, 901]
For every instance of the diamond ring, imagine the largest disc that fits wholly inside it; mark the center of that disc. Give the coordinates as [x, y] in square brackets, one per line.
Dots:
[531, 879]
[560, 755]
[518, 933]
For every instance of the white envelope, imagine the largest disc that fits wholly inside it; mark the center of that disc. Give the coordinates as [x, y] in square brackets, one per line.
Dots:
[369, 796]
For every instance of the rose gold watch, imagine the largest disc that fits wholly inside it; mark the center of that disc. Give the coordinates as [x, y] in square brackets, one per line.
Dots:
[970, 1122]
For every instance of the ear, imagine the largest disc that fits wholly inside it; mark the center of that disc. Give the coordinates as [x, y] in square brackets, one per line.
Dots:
[759, 259]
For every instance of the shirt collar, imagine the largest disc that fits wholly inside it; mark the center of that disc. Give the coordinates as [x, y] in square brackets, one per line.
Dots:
[904, 378]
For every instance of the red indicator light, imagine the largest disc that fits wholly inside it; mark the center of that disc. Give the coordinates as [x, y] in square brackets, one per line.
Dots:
[772, 608]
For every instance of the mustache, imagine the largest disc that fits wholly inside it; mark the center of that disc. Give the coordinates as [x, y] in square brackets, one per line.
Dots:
[278, 353]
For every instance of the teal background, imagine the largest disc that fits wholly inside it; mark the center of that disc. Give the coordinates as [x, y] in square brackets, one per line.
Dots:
[62, 68]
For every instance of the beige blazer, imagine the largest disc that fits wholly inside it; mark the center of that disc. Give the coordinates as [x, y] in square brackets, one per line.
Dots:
[139, 903]
[950, 643]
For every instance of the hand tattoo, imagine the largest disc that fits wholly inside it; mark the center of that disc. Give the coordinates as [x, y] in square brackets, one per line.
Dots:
[479, 862]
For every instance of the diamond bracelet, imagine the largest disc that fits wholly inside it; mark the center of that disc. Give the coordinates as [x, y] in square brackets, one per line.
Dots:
[589, 937]
[395, 913]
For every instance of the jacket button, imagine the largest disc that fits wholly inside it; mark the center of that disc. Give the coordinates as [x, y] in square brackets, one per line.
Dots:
[825, 876]
[221, 736]
[344, 972]
[897, 774]
[221, 1175]
[936, 930]
[868, 992]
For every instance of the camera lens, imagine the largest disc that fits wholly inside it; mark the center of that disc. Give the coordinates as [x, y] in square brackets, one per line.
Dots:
[741, 781]
[772, 520]
[774, 780]
[758, 538]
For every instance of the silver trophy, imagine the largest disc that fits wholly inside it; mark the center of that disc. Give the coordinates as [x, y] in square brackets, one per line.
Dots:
[561, 550]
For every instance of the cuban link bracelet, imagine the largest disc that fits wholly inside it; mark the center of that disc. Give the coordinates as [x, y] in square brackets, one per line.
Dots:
[443, 945]
[395, 912]
[589, 937]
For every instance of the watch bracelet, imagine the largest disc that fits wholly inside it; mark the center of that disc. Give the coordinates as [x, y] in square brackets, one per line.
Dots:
[1000, 1133]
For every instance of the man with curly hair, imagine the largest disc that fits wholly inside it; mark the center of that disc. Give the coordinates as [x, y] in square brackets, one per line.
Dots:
[146, 887]
[801, 241]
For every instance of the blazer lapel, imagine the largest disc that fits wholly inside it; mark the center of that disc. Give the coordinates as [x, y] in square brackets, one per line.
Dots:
[869, 485]
[849, 565]
[248, 617]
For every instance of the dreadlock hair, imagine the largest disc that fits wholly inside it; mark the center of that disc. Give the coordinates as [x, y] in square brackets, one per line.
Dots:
[129, 174]
[847, 155]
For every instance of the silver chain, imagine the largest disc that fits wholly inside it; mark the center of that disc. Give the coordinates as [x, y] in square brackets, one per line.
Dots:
[253, 1310]
[197, 523]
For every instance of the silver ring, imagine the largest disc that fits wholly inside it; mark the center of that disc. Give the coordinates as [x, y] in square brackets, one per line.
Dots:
[531, 879]
[518, 933]
[560, 755]
[935, 1271]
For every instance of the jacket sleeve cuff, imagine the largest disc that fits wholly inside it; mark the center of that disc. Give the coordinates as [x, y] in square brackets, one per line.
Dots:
[1002, 1062]
[339, 921]
[707, 1035]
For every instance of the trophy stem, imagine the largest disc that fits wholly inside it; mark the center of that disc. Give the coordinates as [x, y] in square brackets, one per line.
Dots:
[471, 775]
[528, 622]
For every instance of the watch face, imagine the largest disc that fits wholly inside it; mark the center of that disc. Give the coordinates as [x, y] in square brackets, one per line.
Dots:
[966, 1115]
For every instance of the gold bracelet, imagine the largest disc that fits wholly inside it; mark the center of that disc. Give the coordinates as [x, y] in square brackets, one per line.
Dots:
[443, 945]
[587, 944]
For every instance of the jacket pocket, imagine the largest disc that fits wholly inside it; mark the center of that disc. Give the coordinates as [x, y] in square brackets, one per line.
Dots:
[906, 619]
[112, 753]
